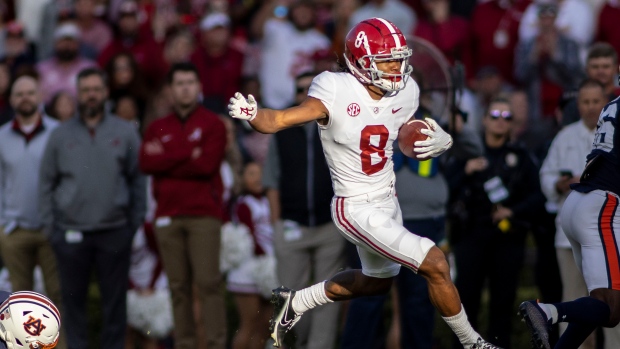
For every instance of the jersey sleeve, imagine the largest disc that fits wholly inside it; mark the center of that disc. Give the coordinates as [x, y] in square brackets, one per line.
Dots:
[323, 89]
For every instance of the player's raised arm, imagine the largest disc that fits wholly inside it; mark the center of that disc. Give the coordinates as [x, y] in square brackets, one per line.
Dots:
[271, 120]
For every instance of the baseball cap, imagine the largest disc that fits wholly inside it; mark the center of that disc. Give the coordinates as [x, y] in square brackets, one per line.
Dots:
[67, 30]
[128, 8]
[214, 20]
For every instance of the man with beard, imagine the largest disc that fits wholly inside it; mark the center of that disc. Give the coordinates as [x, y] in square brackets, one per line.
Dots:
[602, 66]
[59, 72]
[184, 151]
[92, 200]
[22, 142]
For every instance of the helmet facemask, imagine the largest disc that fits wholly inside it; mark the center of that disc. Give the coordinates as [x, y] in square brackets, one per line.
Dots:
[365, 69]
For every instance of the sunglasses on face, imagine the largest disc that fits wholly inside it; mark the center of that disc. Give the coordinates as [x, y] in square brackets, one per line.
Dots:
[504, 114]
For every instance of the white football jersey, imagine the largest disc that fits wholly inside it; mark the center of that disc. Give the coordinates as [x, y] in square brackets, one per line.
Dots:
[357, 140]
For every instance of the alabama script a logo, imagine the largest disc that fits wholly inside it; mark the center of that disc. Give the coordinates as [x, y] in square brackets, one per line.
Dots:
[247, 111]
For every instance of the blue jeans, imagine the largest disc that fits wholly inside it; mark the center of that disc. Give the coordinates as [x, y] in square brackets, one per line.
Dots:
[364, 326]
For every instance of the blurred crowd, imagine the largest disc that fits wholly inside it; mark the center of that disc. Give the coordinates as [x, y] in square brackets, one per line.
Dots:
[113, 120]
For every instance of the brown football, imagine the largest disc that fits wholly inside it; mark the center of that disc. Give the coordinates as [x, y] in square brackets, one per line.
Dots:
[410, 133]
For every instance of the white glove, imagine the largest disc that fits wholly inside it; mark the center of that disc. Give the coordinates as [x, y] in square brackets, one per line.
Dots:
[241, 108]
[438, 141]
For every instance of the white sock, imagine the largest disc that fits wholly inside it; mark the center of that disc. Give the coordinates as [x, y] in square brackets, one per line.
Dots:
[550, 310]
[310, 297]
[462, 328]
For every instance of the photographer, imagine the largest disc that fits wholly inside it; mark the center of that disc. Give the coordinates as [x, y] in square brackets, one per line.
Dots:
[492, 198]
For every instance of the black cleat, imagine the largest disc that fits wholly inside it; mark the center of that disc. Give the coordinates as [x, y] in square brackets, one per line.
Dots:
[482, 344]
[284, 317]
[537, 322]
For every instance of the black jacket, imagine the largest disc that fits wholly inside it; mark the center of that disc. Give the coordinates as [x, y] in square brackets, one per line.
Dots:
[305, 183]
[471, 209]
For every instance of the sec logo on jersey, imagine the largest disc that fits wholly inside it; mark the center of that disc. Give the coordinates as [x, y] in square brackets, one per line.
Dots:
[353, 109]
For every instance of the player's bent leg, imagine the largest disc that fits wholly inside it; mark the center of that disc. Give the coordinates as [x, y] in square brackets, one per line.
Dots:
[442, 292]
[583, 315]
[612, 299]
[445, 297]
[351, 284]
[290, 305]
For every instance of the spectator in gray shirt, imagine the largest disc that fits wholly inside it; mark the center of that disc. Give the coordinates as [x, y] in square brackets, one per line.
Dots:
[92, 199]
[22, 143]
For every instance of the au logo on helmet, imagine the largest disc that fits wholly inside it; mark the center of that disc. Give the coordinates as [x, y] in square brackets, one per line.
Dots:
[30, 319]
[33, 326]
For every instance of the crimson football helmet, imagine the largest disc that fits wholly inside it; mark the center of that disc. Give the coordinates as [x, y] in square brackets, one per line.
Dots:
[377, 40]
[29, 320]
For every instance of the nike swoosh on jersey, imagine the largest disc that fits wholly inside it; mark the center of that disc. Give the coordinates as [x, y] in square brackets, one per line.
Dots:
[394, 111]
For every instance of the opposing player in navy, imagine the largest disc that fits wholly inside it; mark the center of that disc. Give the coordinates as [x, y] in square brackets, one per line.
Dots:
[591, 222]
[359, 113]
[28, 320]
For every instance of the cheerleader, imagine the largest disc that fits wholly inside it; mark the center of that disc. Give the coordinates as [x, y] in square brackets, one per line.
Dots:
[252, 210]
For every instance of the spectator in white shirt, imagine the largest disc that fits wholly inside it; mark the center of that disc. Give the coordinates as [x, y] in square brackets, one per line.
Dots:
[287, 46]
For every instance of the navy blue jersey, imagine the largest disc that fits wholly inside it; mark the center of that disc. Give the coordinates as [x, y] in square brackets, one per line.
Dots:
[603, 166]
[3, 296]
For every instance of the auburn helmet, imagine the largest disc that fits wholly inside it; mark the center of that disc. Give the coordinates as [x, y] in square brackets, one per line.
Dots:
[377, 40]
[29, 320]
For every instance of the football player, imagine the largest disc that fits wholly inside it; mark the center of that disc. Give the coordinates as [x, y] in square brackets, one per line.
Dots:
[359, 112]
[28, 320]
[591, 222]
